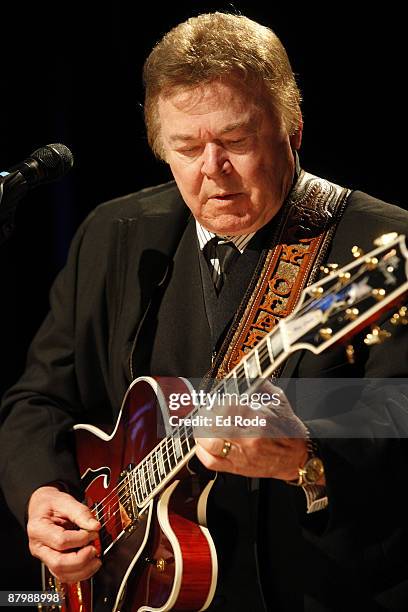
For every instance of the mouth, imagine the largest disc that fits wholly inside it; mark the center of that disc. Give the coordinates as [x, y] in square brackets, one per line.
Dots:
[224, 196]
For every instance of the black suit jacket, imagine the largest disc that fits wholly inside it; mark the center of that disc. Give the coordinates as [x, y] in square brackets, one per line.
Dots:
[80, 365]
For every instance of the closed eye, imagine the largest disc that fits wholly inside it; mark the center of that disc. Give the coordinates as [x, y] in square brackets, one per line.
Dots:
[237, 142]
[189, 150]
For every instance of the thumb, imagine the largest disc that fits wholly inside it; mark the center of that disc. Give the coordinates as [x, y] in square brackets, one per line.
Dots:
[81, 515]
[50, 501]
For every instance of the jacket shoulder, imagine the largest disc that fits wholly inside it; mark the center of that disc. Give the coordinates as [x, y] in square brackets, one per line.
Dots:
[164, 199]
[371, 208]
[162, 202]
[365, 218]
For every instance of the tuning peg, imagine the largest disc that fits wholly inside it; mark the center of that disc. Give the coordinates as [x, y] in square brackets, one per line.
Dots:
[357, 251]
[378, 294]
[344, 277]
[377, 336]
[385, 239]
[350, 353]
[329, 268]
[371, 262]
[351, 314]
[326, 333]
[400, 317]
[316, 292]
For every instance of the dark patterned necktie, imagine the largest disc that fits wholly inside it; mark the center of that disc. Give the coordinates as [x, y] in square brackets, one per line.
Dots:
[226, 253]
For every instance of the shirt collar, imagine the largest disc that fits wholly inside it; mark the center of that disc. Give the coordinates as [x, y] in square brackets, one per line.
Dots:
[205, 236]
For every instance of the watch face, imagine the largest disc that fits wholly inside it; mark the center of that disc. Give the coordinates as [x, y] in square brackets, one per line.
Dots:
[313, 470]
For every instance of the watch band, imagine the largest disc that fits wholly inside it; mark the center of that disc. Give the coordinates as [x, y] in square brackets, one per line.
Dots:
[316, 498]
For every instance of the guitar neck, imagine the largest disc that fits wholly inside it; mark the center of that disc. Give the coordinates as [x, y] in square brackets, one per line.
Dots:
[173, 452]
[344, 302]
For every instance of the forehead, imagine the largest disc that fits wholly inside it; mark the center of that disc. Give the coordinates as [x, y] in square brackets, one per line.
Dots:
[213, 106]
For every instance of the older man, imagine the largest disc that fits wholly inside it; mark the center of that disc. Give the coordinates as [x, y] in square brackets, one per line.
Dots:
[222, 109]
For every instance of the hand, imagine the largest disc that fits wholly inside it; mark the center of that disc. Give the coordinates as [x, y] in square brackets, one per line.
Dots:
[274, 450]
[53, 521]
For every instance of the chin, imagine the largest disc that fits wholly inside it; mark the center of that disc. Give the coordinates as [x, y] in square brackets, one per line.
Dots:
[231, 225]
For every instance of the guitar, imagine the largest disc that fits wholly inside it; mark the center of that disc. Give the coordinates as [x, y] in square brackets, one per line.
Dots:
[157, 552]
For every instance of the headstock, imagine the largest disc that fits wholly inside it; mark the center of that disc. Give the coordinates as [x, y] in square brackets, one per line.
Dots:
[351, 298]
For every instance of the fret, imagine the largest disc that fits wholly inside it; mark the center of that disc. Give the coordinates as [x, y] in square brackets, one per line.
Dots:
[231, 384]
[263, 356]
[251, 365]
[242, 381]
[258, 363]
[168, 455]
[146, 479]
[185, 441]
[162, 469]
[220, 390]
[173, 450]
[142, 481]
[190, 437]
[270, 350]
[138, 486]
[277, 344]
[155, 463]
[179, 449]
[166, 458]
[150, 463]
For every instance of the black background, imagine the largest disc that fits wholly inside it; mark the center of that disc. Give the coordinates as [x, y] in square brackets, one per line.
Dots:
[72, 73]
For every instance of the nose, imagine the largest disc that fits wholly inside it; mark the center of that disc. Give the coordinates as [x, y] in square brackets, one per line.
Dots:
[215, 160]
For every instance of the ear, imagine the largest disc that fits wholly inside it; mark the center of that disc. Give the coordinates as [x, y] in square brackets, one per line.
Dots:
[296, 138]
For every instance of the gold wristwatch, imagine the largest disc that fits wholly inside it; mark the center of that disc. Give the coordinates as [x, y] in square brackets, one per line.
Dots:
[308, 477]
[310, 473]
[313, 469]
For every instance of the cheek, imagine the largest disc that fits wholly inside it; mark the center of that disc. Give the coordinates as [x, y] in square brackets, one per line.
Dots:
[187, 178]
[189, 185]
[251, 169]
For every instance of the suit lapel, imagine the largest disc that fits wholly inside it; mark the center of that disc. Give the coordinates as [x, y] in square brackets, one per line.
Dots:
[141, 251]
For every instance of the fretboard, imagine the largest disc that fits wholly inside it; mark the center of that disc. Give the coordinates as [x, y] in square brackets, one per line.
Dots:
[169, 456]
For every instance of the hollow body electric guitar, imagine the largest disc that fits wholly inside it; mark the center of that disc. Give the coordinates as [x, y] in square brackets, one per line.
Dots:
[156, 551]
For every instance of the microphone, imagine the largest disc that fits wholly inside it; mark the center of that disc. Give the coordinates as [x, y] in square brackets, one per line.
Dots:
[44, 165]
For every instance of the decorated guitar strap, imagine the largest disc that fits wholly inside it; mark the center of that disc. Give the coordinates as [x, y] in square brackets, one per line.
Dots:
[297, 247]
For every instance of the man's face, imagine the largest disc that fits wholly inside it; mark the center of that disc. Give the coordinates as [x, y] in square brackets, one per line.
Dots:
[230, 155]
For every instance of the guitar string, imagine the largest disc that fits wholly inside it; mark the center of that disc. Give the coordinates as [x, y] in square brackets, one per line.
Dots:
[154, 468]
[143, 463]
[237, 379]
[164, 443]
[155, 464]
[263, 351]
[120, 498]
[113, 515]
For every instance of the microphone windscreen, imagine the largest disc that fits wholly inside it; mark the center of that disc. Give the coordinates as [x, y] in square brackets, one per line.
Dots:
[56, 160]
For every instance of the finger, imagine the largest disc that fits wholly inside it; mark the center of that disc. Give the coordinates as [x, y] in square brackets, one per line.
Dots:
[218, 462]
[71, 566]
[210, 461]
[212, 446]
[60, 507]
[88, 572]
[68, 507]
[44, 532]
[268, 386]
